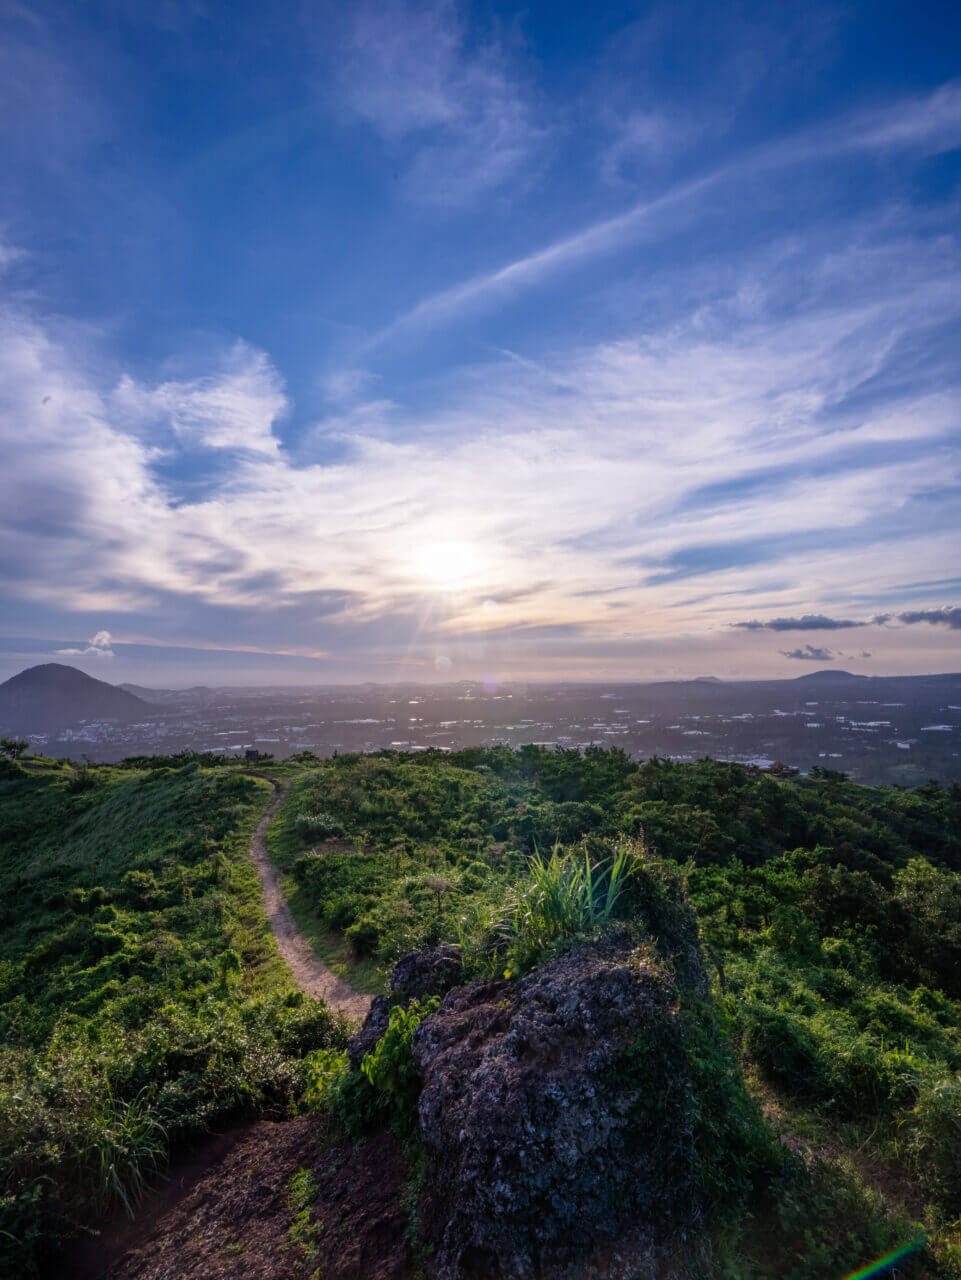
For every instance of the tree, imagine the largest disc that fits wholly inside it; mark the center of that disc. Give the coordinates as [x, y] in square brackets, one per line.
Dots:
[12, 748]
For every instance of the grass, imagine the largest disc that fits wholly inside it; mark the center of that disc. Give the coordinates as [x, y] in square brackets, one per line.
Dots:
[561, 897]
[364, 974]
[303, 1234]
[142, 998]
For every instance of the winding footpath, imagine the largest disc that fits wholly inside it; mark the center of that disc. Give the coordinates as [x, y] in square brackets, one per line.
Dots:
[309, 971]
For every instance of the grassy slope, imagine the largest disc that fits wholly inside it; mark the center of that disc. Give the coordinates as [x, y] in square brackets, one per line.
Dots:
[137, 820]
[839, 963]
[142, 997]
[162, 997]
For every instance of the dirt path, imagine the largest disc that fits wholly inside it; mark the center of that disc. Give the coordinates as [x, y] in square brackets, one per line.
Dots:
[310, 972]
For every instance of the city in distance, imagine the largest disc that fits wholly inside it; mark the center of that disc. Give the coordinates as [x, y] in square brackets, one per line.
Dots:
[897, 730]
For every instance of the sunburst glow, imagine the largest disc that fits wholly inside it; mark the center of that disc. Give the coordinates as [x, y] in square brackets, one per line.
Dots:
[446, 566]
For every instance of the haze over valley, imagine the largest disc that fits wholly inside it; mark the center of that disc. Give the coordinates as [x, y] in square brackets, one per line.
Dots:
[897, 730]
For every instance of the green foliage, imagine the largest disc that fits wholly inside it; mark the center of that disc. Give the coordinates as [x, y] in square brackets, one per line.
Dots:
[141, 1000]
[389, 1067]
[934, 1130]
[557, 900]
[317, 826]
[807, 1225]
[735, 1146]
[384, 1090]
[303, 1233]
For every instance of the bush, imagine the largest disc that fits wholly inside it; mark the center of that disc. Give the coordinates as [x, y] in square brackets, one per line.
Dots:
[474, 876]
[785, 1051]
[363, 936]
[389, 1068]
[317, 826]
[384, 1090]
[935, 1143]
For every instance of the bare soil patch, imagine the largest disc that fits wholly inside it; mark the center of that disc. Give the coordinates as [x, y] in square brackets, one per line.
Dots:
[226, 1213]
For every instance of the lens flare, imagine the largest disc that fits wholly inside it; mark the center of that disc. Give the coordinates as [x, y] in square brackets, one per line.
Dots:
[881, 1265]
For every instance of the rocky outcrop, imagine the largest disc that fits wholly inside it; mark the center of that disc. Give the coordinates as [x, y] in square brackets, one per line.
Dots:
[375, 1024]
[554, 1111]
[416, 976]
[420, 974]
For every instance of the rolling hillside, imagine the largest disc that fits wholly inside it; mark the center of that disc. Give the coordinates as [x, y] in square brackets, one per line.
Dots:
[782, 956]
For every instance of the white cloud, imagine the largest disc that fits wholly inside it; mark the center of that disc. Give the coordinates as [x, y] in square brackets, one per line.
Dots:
[235, 407]
[924, 124]
[931, 121]
[416, 73]
[638, 137]
[98, 647]
[599, 470]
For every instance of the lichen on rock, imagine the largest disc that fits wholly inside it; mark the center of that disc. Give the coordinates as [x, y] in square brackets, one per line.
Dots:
[557, 1112]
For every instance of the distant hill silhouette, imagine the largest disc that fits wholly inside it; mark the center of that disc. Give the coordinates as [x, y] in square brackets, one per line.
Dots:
[164, 695]
[53, 696]
[826, 675]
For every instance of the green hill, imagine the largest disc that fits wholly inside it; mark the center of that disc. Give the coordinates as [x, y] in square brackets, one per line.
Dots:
[142, 1000]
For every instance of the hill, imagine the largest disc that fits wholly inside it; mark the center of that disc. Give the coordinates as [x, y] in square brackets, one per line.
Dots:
[828, 676]
[54, 695]
[712, 968]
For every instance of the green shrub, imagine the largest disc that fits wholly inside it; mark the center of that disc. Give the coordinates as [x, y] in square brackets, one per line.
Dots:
[384, 1090]
[785, 1051]
[363, 936]
[343, 911]
[317, 826]
[935, 1143]
[389, 1067]
[474, 876]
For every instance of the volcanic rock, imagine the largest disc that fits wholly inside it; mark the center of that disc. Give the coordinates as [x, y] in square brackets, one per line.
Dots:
[416, 976]
[554, 1111]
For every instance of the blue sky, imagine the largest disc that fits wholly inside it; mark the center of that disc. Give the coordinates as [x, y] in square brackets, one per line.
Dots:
[434, 341]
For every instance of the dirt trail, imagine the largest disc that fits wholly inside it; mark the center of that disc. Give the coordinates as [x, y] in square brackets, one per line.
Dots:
[310, 972]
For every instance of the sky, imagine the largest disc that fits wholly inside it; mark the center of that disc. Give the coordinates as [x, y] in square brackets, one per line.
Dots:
[433, 341]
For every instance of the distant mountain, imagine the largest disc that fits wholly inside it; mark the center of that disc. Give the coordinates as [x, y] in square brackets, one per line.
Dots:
[53, 696]
[146, 695]
[828, 676]
[163, 695]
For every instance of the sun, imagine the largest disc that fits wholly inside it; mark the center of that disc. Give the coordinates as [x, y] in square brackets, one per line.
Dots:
[445, 566]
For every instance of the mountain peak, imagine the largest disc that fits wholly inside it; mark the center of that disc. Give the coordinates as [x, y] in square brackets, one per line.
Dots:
[54, 695]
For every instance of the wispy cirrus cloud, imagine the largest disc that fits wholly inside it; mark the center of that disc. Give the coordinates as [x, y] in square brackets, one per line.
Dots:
[925, 124]
[449, 101]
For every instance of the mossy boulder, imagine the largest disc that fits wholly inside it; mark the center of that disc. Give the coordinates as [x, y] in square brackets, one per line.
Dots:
[592, 1098]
